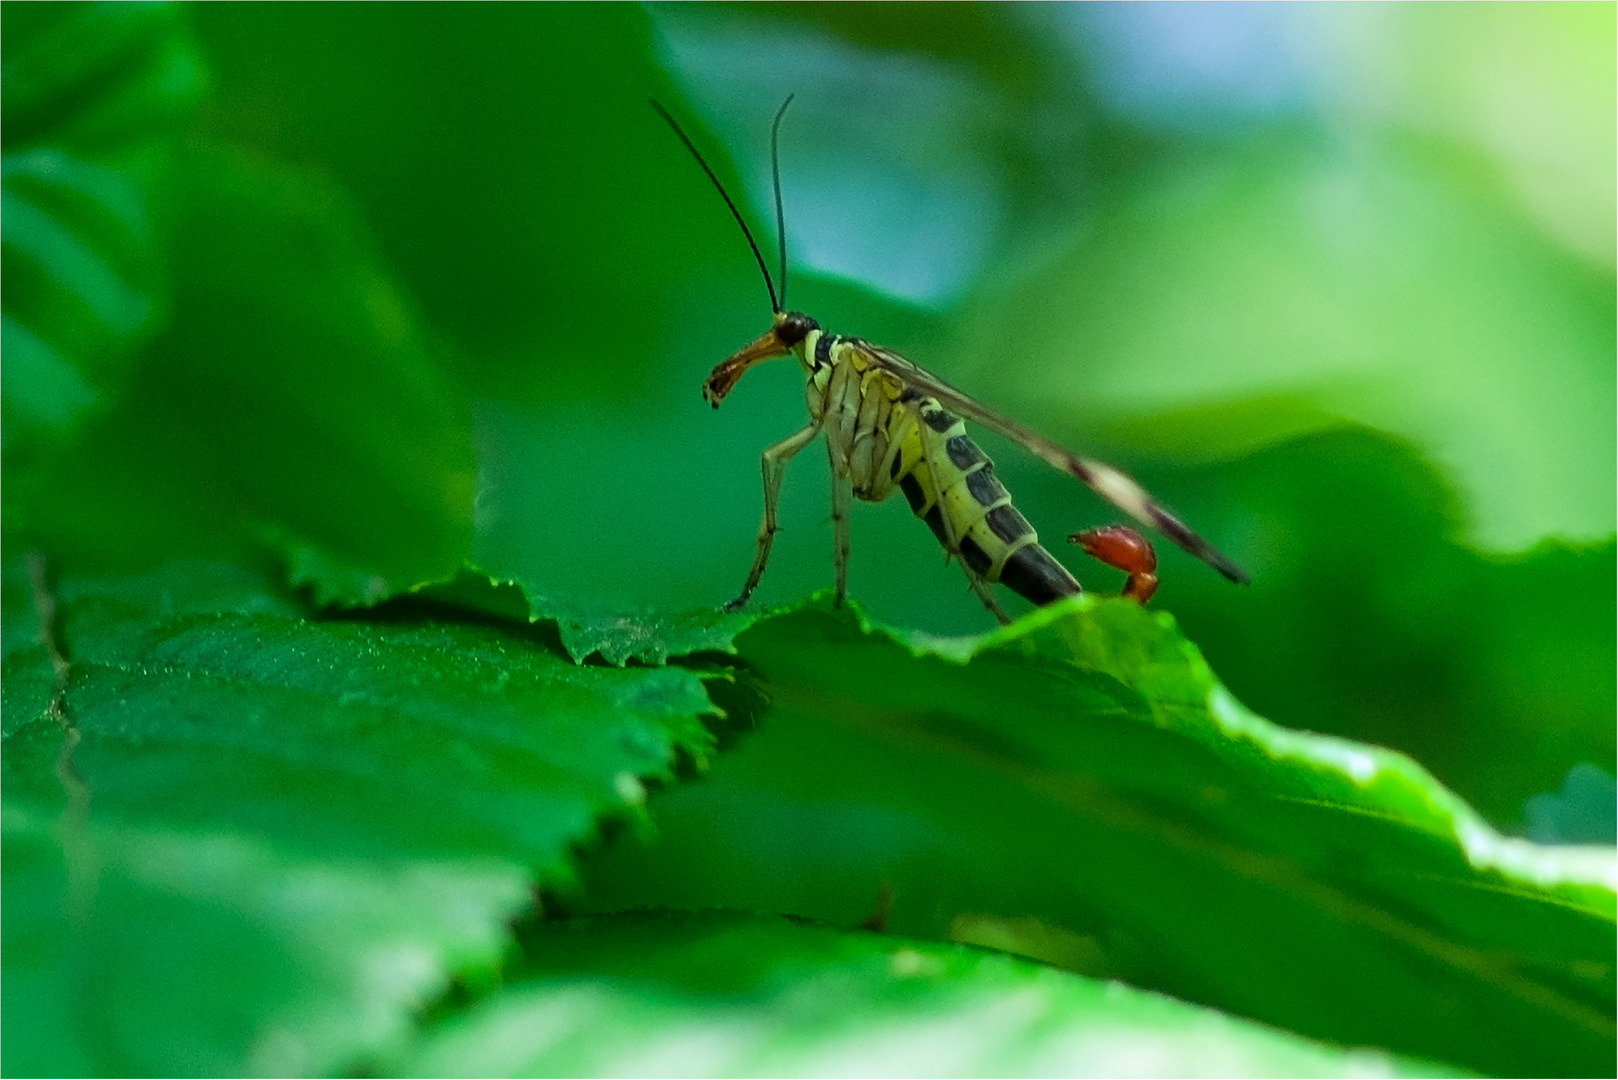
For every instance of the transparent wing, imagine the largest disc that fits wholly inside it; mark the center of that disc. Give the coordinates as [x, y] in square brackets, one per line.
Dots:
[1103, 479]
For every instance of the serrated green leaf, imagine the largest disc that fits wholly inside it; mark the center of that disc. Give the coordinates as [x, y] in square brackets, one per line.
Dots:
[1368, 618]
[643, 635]
[332, 579]
[309, 826]
[736, 995]
[1083, 768]
[616, 635]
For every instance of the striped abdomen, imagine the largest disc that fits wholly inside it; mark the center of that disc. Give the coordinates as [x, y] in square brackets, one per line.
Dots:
[996, 542]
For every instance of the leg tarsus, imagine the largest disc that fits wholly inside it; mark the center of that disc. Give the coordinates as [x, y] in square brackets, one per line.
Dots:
[985, 594]
[981, 587]
[773, 463]
[842, 501]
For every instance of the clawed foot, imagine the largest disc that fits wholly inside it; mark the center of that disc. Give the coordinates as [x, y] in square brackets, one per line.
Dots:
[741, 601]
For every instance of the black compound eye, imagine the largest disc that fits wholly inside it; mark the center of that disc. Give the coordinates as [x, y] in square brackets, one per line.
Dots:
[793, 327]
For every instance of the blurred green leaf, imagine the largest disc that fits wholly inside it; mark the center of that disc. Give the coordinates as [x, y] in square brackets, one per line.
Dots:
[734, 995]
[1084, 768]
[270, 839]
[293, 397]
[1534, 88]
[96, 77]
[1300, 281]
[524, 201]
[145, 948]
[93, 95]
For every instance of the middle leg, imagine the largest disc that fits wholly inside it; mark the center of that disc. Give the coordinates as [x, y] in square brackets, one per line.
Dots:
[842, 499]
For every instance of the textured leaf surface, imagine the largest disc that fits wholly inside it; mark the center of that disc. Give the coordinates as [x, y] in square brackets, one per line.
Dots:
[616, 635]
[730, 995]
[1080, 788]
[274, 838]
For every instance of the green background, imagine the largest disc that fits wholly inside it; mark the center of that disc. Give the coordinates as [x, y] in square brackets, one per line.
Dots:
[357, 294]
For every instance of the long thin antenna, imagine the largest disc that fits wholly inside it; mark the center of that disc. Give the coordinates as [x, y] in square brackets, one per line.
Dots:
[775, 305]
[780, 214]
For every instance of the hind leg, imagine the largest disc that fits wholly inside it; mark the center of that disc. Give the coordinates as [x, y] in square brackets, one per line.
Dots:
[952, 545]
[842, 498]
[981, 587]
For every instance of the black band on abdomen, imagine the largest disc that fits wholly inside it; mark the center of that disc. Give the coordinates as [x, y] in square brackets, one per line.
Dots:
[1033, 574]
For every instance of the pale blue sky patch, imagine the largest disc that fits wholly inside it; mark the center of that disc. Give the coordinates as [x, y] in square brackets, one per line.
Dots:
[1199, 66]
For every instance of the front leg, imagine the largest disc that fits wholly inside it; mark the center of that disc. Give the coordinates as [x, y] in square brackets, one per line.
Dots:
[773, 463]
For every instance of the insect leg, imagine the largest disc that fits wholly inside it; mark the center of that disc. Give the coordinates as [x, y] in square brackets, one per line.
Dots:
[842, 498]
[981, 587]
[973, 579]
[850, 430]
[773, 463]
